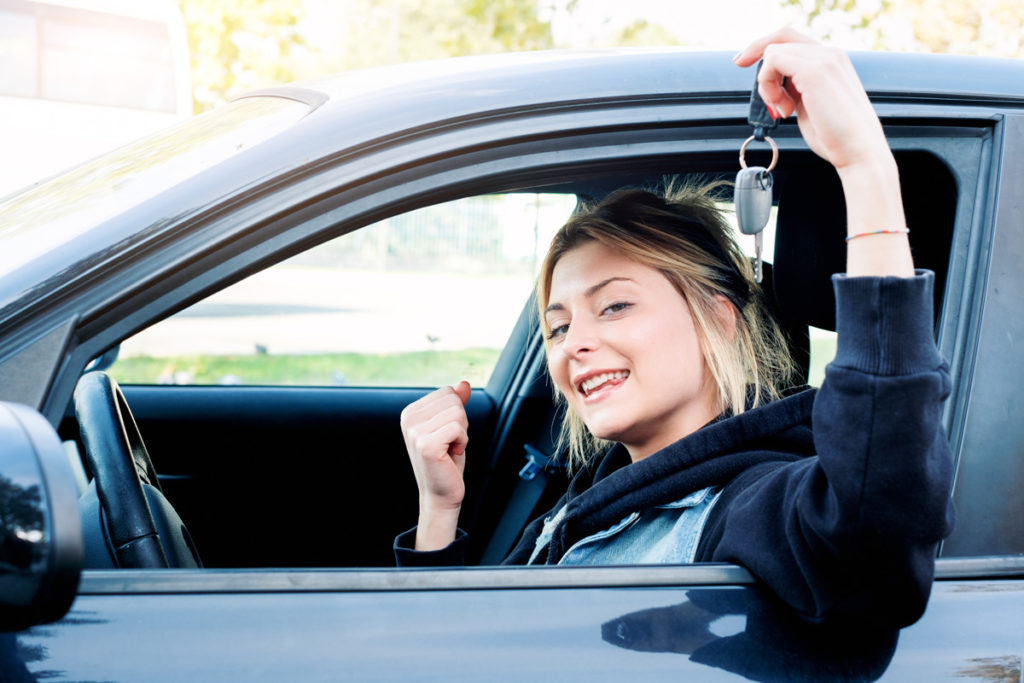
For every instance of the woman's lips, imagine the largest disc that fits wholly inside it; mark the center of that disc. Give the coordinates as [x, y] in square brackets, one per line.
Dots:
[601, 381]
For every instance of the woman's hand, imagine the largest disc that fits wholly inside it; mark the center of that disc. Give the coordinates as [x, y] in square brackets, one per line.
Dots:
[835, 116]
[836, 119]
[435, 432]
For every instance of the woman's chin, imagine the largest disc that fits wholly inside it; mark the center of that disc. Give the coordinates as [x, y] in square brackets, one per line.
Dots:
[607, 431]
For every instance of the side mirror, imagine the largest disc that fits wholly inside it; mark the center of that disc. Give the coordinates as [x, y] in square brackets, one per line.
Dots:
[40, 527]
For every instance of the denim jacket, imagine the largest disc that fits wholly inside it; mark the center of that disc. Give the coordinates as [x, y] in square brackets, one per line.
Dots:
[662, 534]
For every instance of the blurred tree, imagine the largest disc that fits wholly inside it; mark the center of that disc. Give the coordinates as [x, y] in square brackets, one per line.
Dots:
[992, 27]
[988, 27]
[828, 19]
[643, 33]
[406, 30]
[237, 45]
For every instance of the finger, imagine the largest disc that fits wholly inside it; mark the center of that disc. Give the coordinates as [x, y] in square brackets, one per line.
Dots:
[457, 448]
[453, 413]
[463, 390]
[432, 437]
[429, 405]
[821, 73]
[455, 436]
[437, 444]
[782, 72]
[778, 97]
[423, 403]
[423, 435]
[755, 50]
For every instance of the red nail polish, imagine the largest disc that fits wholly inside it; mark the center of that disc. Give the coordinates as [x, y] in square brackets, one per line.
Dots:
[771, 110]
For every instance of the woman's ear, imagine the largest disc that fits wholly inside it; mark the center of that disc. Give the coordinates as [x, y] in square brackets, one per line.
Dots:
[726, 313]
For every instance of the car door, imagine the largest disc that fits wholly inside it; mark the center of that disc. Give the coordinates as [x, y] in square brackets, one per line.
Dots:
[271, 408]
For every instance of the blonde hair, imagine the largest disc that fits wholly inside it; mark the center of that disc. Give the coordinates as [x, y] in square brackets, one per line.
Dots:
[682, 234]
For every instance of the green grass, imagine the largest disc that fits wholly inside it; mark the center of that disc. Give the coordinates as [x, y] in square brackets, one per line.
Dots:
[415, 369]
[823, 350]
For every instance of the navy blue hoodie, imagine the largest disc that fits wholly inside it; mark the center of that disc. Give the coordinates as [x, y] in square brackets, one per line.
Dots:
[836, 499]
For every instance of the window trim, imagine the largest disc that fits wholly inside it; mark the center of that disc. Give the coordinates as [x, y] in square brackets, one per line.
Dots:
[176, 581]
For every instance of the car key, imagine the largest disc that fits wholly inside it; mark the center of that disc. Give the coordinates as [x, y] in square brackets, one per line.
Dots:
[753, 190]
[753, 201]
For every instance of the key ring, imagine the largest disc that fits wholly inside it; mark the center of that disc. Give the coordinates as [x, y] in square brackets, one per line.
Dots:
[743, 151]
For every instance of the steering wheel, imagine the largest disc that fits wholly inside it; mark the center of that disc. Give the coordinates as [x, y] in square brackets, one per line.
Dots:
[126, 482]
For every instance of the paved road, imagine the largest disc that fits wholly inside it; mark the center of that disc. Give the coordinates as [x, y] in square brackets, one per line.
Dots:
[313, 310]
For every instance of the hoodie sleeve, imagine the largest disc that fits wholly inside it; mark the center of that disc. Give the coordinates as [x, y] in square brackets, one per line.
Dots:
[853, 532]
[452, 555]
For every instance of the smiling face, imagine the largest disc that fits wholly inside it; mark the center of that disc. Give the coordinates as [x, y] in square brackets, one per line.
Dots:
[624, 350]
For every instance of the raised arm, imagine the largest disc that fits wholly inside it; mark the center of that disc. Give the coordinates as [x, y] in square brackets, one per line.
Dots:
[819, 85]
[852, 533]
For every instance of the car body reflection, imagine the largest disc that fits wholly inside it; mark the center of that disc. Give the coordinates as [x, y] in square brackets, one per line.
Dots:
[774, 644]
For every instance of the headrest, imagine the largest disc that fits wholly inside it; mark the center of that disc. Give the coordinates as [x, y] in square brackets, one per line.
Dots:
[811, 227]
[796, 333]
[809, 246]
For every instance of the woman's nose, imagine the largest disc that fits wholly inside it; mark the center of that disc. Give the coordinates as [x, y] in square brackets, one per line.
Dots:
[581, 337]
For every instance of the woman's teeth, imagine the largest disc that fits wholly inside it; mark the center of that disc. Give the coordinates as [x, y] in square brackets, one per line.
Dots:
[592, 383]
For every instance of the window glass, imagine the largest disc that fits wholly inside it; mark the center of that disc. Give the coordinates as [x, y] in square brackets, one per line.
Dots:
[42, 222]
[420, 299]
[823, 350]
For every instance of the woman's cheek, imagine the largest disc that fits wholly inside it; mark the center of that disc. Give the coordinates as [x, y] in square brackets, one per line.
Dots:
[559, 370]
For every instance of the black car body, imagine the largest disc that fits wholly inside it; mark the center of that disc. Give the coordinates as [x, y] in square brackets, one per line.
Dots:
[294, 494]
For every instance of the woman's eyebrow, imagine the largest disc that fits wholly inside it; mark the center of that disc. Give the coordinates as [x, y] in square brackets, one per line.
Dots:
[590, 291]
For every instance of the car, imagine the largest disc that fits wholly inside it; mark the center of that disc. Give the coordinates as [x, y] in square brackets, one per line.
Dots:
[275, 506]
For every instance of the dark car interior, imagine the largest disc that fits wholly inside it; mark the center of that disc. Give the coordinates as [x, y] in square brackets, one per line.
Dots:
[318, 476]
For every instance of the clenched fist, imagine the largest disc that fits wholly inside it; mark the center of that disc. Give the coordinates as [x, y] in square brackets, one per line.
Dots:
[435, 432]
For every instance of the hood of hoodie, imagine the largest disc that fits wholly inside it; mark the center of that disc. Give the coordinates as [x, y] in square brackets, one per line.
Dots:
[610, 489]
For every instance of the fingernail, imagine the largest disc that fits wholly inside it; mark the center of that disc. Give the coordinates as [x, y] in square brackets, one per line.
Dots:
[771, 110]
[737, 56]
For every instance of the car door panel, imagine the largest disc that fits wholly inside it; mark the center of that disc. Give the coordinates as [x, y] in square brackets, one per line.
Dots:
[332, 626]
[288, 476]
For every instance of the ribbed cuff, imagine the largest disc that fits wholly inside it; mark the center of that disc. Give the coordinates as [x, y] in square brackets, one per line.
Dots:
[885, 324]
[452, 555]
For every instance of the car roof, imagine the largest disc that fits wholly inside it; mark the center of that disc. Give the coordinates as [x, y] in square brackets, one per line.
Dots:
[550, 76]
[359, 107]
[355, 111]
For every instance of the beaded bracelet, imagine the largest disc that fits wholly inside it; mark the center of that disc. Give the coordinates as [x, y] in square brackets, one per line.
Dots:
[889, 231]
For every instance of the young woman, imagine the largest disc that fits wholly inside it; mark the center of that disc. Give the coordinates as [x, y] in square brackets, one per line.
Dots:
[673, 377]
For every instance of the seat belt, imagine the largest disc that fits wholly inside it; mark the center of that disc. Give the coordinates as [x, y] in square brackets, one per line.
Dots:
[533, 481]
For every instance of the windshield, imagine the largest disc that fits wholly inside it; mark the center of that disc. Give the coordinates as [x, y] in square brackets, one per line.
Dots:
[43, 218]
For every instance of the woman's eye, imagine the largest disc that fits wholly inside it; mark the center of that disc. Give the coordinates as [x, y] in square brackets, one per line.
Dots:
[617, 307]
[558, 331]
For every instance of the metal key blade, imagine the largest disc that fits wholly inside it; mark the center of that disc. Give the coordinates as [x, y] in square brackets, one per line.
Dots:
[758, 246]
